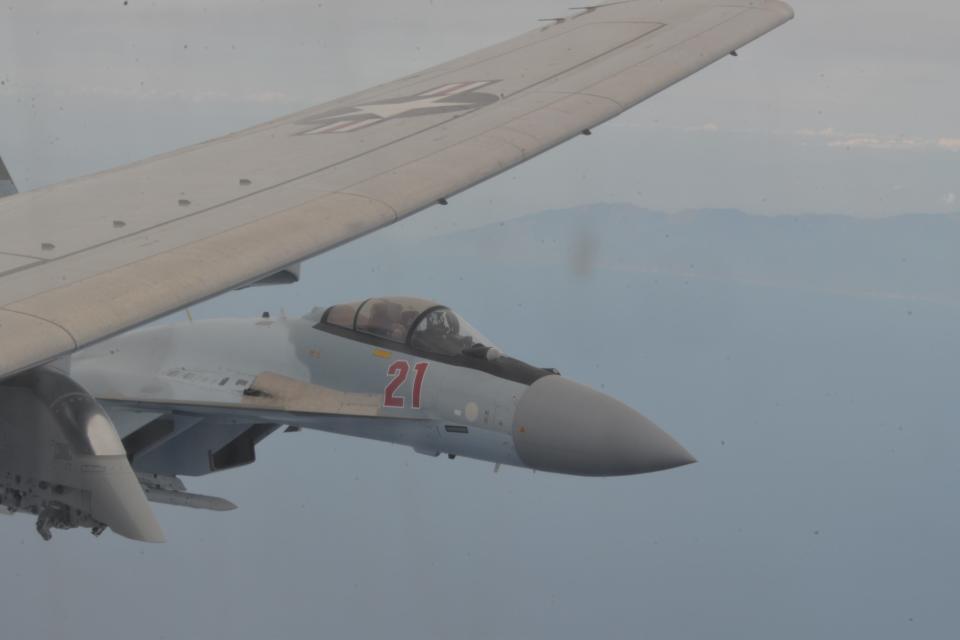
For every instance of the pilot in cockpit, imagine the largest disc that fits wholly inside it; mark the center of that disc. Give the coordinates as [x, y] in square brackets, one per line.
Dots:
[427, 326]
[439, 332]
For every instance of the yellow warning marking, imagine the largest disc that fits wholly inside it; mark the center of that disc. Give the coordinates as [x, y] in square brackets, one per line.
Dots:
[380, 353]
[313, 353]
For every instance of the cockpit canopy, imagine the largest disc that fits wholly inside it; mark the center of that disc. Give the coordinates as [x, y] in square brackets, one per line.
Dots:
[422, 324]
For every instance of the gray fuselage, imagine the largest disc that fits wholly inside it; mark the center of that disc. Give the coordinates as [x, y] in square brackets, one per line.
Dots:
[294, 372]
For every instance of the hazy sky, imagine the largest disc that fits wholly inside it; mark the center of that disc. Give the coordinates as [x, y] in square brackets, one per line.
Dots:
[824, 502]
[849, 109]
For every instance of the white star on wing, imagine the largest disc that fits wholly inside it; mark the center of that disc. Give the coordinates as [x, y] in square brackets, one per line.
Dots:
[389, 110]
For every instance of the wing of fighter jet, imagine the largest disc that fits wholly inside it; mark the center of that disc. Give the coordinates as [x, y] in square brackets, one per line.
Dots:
[91, 258]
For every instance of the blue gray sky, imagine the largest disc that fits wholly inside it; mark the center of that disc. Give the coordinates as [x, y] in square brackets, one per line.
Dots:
[822, 408]
[849, 109]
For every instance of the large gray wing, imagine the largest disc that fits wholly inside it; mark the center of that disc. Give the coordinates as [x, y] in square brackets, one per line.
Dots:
[90, 258]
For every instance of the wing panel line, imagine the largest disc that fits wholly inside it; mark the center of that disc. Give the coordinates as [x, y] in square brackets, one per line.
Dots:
[116, 290]
[327, 167]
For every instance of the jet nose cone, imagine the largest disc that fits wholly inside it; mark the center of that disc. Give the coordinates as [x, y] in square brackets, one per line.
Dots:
[566, 427]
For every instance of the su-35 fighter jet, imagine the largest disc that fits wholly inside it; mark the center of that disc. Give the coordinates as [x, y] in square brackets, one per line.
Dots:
[88, 439]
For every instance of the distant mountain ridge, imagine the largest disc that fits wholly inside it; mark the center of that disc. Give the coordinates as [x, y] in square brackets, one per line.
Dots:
[911, 256]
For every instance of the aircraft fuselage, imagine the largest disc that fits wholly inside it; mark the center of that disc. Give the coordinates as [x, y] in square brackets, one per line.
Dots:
[297, 372]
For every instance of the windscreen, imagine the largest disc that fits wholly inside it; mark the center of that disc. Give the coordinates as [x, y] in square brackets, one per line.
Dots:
[442, 331]
[390, 318]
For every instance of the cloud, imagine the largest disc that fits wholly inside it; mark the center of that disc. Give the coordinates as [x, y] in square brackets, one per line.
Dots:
[835, 138]
[829, 136]
[878, 141]
[952, 144]
[949, 199]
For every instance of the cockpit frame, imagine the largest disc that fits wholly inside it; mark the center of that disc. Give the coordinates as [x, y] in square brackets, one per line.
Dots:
[409, 330]
[503, 367]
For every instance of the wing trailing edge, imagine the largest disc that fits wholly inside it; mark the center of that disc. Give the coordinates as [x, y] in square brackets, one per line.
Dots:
[91, 258]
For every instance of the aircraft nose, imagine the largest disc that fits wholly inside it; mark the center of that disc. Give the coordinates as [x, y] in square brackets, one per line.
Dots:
[566, 427]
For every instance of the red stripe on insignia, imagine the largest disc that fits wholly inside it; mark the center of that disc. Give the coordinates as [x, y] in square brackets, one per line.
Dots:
[457, 88]
[473, 85]
[341, 126]
[326, 128]
[445, 90]
[359, 124]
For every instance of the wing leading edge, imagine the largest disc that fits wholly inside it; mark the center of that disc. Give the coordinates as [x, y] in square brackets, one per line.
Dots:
[93, 257]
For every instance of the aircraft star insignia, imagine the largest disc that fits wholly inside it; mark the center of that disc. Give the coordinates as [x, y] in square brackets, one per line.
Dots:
[448, 98]
[99, 419]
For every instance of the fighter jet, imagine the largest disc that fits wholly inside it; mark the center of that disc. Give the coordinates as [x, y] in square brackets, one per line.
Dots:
[99, 417]
[400, 369]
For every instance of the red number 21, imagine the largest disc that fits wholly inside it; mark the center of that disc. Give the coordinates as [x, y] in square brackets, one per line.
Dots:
[399, 371]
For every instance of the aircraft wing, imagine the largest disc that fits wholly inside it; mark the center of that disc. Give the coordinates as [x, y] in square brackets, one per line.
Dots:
[86, 259]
